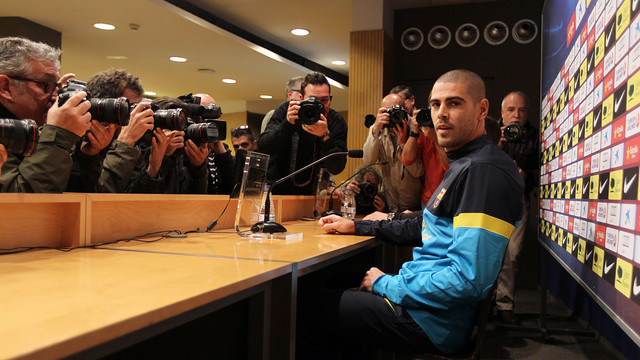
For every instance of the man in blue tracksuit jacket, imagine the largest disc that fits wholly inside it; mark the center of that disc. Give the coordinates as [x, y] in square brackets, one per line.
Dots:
[460, 242]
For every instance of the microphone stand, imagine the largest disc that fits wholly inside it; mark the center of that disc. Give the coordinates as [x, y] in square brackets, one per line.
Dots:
[272, 226]
[333, 212]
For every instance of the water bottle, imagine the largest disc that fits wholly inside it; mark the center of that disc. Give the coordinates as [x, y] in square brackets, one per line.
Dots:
[272, 208]
[348, 207]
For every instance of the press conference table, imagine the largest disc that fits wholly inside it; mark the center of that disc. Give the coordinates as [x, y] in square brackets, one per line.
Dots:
[92, 302]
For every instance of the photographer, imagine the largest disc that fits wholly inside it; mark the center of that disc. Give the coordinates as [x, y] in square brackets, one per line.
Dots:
[29, 84]
[365, 185]
[106, 157]
[385, 142]
[523, 149]
[292, 143]
[162, 168]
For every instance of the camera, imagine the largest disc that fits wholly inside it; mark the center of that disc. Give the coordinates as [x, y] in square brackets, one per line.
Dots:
[19, 137]
[109, 110]
[206, 132]
[169, 119]
[310, 110]
[424, 118]
[198, 112]
[368, 192]
[396, 115]
[515, 133]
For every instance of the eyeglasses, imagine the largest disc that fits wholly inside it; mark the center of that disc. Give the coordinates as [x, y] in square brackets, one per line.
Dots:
[47, 86]
[325, 100]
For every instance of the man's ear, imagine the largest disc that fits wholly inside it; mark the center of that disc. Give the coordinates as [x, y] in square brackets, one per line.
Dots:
[5, 88]
[484, 107]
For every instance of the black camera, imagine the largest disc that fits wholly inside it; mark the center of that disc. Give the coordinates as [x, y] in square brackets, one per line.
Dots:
[109, 110]
[368, 192]
[170, 119]
[199, 112]
[515, 133]
[396, 116]
[310, 110]
[19, 137]
[206, 132]
[424, 118]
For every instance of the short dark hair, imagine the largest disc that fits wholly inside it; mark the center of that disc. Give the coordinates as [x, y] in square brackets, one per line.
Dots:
[314, 78]
[112, 83]
[492, 128]
[404, 89]
[242, 131]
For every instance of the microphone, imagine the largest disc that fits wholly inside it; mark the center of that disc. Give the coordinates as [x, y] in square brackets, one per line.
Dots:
[331, 211]
[267, 226]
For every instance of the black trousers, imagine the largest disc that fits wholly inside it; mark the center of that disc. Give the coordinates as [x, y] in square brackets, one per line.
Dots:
[335, 323]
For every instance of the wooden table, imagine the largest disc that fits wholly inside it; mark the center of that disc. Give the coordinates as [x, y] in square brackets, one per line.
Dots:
[96, 301]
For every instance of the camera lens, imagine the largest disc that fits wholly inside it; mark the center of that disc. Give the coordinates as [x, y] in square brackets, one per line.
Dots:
[19, 137]
[396, 116]
[424, 118]
[368, 192]
[170, 119]
[206, 132]
[514, 133]
[113, 111]
[310, 110]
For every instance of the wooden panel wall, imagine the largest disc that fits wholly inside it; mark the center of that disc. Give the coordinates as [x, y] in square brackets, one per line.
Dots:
[366, 75]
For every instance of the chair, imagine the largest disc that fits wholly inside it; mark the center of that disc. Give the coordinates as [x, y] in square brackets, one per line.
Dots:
[471, 350]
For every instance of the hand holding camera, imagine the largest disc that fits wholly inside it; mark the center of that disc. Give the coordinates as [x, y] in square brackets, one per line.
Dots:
[176, 142]
[196, 154]
[159, 143]
[72, 115]
[141, 121]
[97, 138]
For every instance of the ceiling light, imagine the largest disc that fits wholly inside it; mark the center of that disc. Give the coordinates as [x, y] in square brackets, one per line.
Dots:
[116, 57]
[228, 81]
[339, 62]
[300, 32]
[178, 59]
[150, 93]
[103, 26]
[266, 97]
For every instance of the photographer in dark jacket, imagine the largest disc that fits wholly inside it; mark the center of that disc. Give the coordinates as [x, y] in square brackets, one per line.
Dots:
[520, 141]
[293, 145]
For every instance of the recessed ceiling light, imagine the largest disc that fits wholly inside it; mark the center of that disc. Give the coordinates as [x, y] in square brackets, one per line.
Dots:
[150, 93]
[339, 62]
[116, 57]
[228, 81]
[300, 32]
[178, 59]
[103, 26]
[266, 97]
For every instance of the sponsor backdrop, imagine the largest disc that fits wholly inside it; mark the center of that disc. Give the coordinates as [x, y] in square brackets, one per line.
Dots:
[590, 135]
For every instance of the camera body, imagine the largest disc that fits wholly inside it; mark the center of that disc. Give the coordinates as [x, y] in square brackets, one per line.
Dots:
[19, 137]
[310, 110]
[368, 192]
[396, 116]
[515, 133]
[109, 110]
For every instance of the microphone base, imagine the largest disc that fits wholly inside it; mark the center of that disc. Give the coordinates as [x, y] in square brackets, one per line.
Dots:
[269, 227]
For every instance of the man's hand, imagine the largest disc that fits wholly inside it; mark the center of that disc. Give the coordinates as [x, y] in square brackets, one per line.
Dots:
[355, 186]
[140, 121]
[337, 224]
[97, 138]
[197, 155]
[378, 203]
[401, 133]
[318, 129]
[176, 142]
[217, 147]
[369, 278]
[502, 140]
[159, 145]
[73, 115]
[382, 119]
[64, 78]
[376, 215]
[3, 155]
[292, 111]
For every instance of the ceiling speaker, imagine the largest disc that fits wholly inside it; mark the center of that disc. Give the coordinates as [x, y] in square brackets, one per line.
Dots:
[467, 35]
[496, 33]
[412, 39]
[524, 31]
[439, 37]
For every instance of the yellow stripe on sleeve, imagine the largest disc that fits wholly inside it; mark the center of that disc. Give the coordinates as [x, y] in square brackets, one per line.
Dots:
[484, 221]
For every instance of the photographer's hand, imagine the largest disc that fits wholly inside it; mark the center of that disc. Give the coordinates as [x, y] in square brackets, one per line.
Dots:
[141, 121]
[197, 155]
[176, 142]
[159, 145]
[355, 185]
[382, 119]
[502, 140]
[97, 138]
[378, 203]
[401, 133]
[73, 115]
[318, 129]
[292, 111]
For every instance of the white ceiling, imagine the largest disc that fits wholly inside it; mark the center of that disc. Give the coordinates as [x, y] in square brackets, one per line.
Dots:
[168, 31]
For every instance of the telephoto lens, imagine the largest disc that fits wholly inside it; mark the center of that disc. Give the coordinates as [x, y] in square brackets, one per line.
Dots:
[206, 132]
[112, 111]
[170, 119]
[19, 137]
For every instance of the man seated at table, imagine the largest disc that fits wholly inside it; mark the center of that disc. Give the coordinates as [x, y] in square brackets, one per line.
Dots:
[461, 238]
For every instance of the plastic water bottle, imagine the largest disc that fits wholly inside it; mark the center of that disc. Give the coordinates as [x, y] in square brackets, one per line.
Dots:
[348, 207]
[272, 208]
